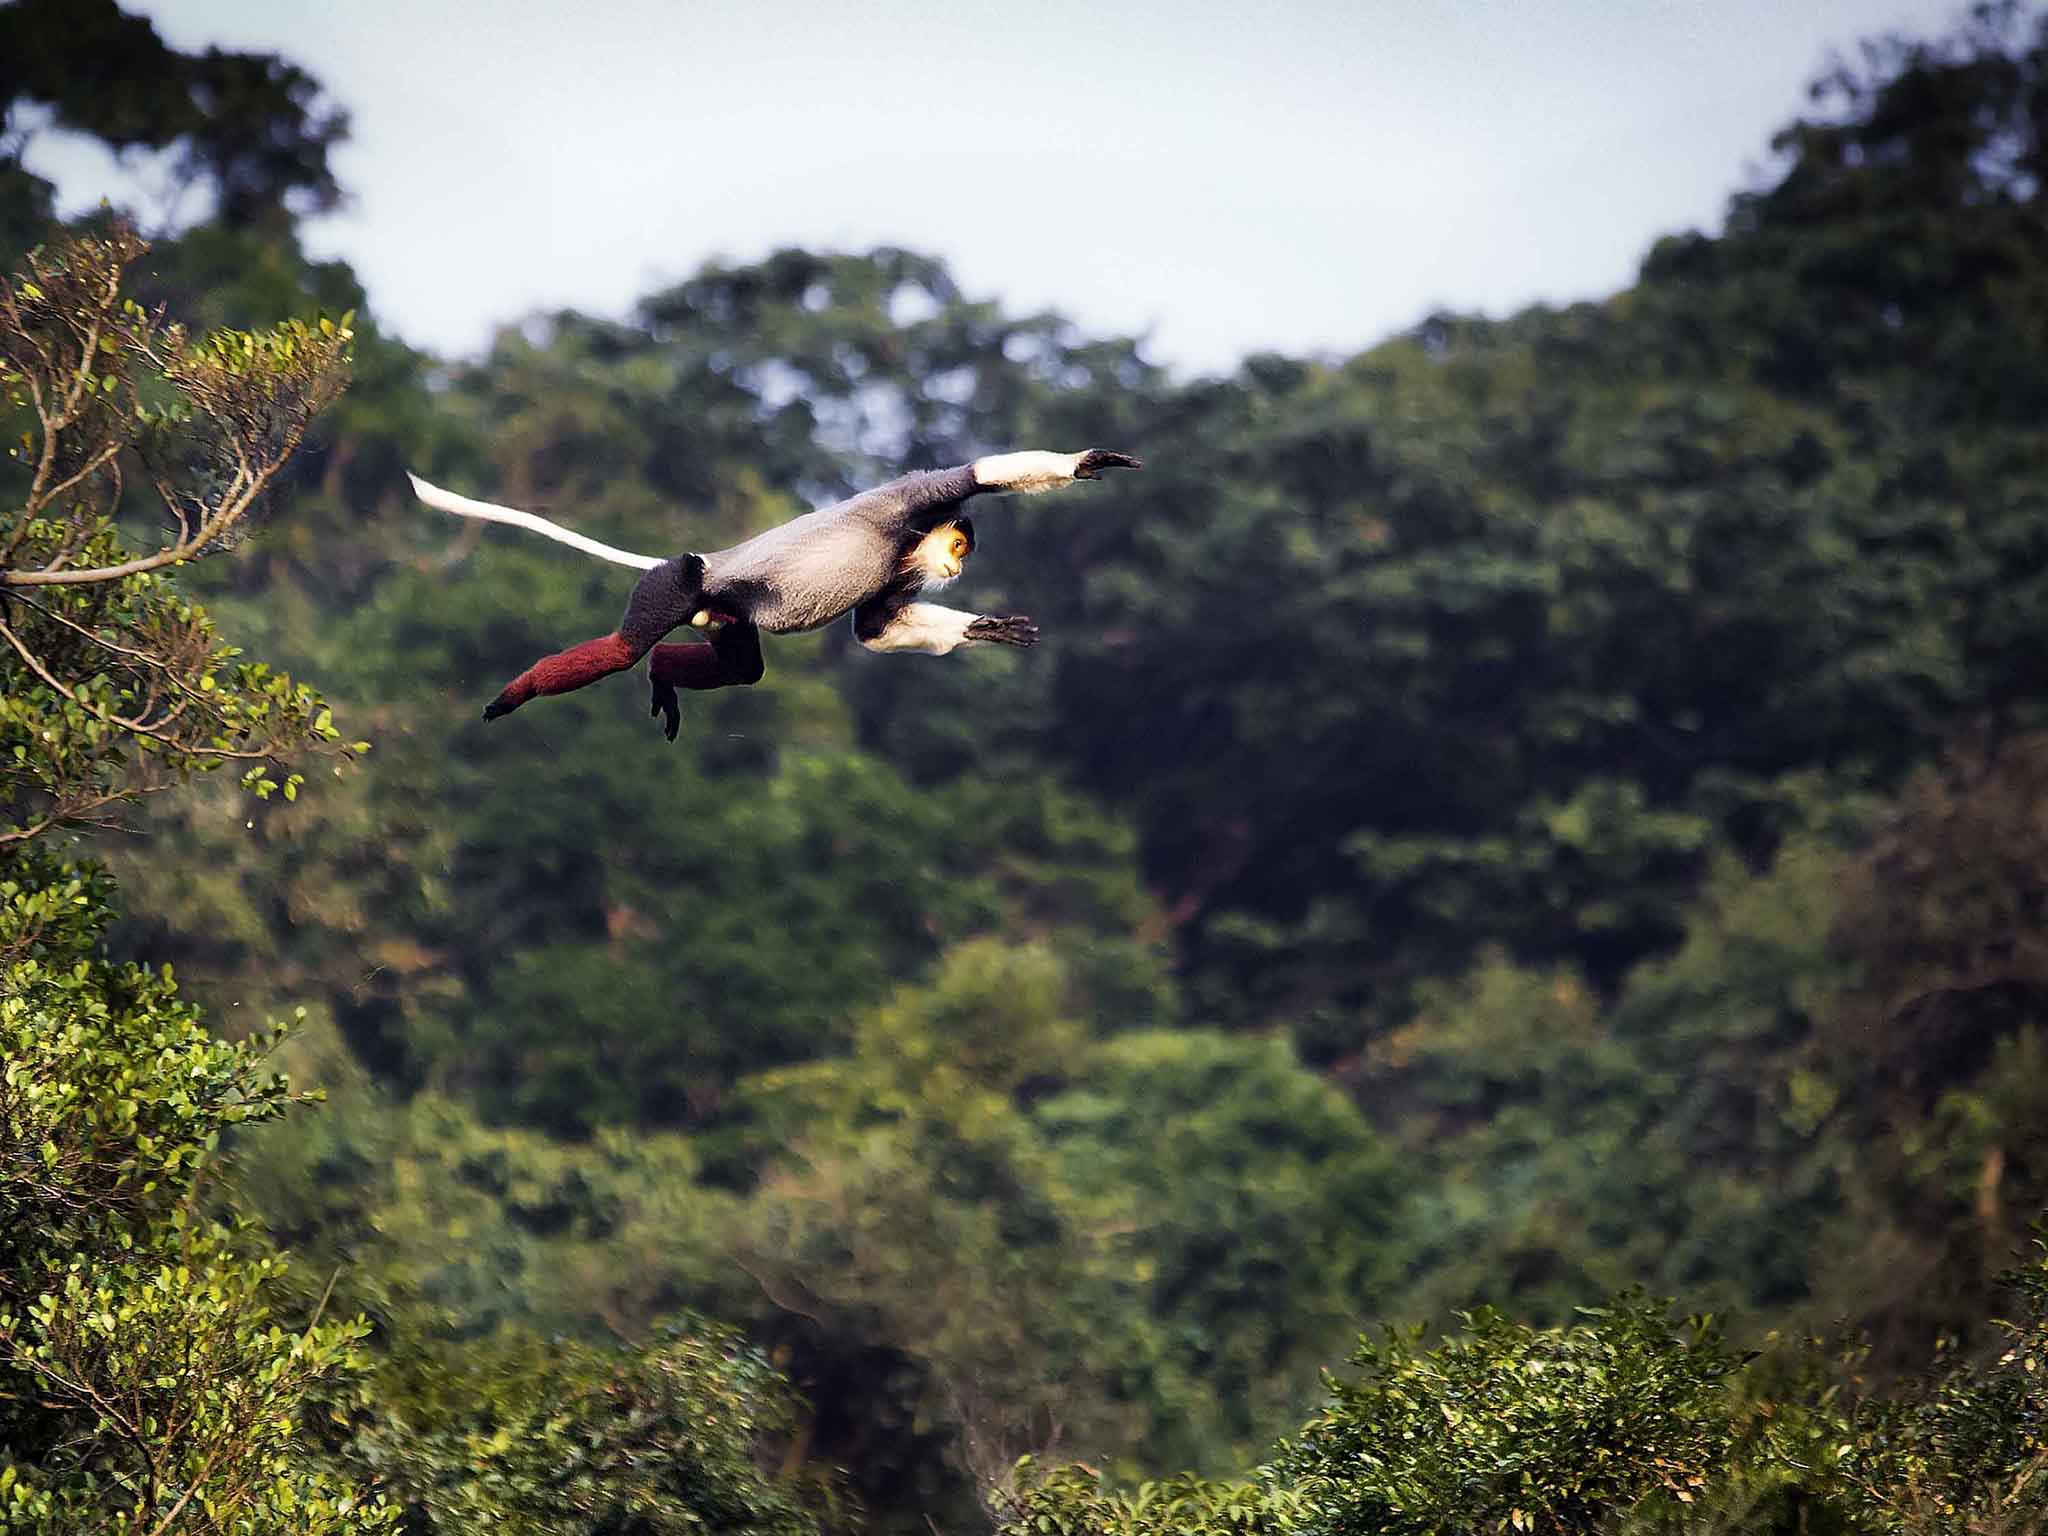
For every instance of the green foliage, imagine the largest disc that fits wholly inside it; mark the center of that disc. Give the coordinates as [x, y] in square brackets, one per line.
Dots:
[441, 1228]
[1153, 1258]
[151, 1377]
[1968, 1449]
[114, 1091]
[1679, 1132]
[1072, 1501]
[1623, 1421]
[112, 683]
[915, 1208]
[165, 1396]
[566, 1440]
[1517, 1428]
[964, 1237]
[1502, 1427]
[1254, 1208]
[147, 1383]
[1477, 829]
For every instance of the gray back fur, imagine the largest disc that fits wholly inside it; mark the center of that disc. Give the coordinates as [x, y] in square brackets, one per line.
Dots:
[814, 568]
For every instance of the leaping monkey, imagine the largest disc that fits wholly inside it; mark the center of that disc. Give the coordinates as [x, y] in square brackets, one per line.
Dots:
[869, 555]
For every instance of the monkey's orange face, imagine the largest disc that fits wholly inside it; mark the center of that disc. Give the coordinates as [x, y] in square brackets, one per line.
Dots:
[941, 555]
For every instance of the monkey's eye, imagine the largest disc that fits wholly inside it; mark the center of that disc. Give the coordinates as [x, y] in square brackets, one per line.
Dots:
[959, 547]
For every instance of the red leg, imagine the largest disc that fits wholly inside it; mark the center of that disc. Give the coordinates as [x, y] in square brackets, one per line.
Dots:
[731, 660]
[685, 666]
[565, 671]
[662, 598]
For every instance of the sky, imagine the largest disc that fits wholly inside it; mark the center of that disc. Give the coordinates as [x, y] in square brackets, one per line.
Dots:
[1221, 178]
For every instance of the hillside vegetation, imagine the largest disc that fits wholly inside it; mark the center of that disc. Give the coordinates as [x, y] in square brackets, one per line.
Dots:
[1544, 814]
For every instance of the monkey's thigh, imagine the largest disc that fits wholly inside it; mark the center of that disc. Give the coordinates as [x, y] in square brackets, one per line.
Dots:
[662, 600]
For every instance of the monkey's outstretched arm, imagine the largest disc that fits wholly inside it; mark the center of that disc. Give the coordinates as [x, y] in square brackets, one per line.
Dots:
[888, 626]
[919, 499]
[490, 512]
[1034, 470]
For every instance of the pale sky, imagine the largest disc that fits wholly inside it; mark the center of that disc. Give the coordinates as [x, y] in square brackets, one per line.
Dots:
[1223, 177]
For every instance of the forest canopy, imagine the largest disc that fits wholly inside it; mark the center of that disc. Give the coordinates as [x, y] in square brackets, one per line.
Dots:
[1612, 869]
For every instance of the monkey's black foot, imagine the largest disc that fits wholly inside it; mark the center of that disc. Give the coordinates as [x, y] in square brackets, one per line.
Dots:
[501, 705]
[1004, 629]
[668, 706]
[1096, 460]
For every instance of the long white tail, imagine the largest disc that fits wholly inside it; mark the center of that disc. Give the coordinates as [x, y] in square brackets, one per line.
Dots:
[462, 506]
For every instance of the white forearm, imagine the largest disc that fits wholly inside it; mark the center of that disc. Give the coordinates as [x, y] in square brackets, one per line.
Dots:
[1029, 472]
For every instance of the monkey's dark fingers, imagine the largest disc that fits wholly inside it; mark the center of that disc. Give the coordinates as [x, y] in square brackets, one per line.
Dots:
[666, 705]
[501, 706]
[1004, 629]
[1096, 460]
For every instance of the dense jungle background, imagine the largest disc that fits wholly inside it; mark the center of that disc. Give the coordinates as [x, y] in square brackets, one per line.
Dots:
[1541, 807]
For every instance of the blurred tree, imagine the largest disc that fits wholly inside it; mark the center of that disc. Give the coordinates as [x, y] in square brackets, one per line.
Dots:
[1142, 1267]
[1938, 1045]
[249, 129]
[1255, 1213]
[914, 1212]
[672, 1437]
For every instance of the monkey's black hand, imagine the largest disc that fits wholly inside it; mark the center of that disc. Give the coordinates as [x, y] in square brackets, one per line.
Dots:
[666, 705]
[501, 706]
[1096, 460]
[1004, 629]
